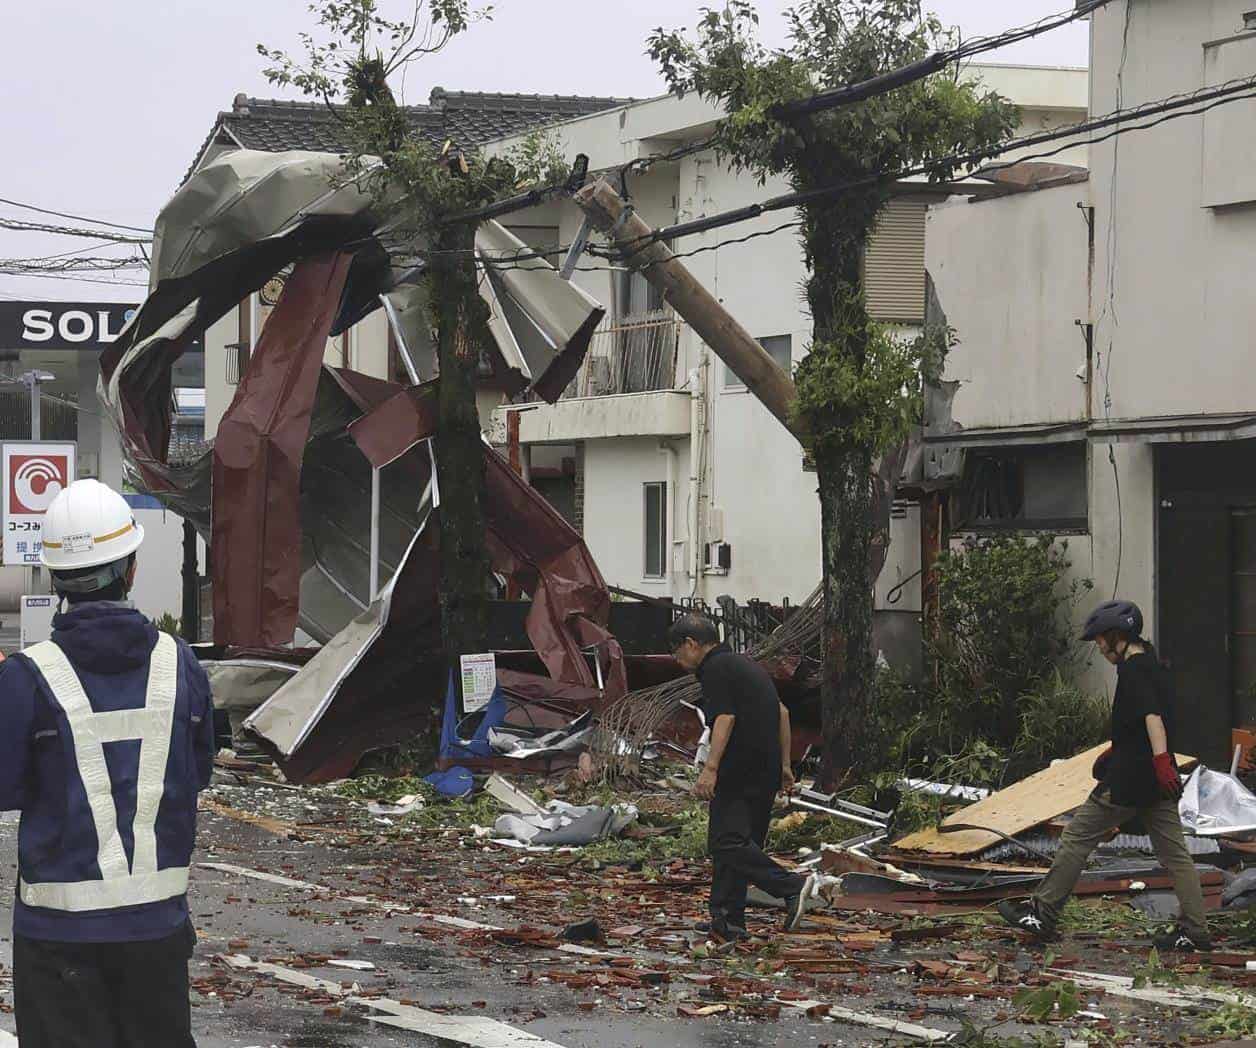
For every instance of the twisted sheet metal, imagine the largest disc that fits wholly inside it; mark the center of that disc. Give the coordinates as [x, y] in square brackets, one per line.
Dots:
[626, 727]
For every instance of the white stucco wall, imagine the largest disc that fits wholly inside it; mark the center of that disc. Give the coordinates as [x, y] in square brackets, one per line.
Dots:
[1176, 318]
[614, 510]
[1011, 277]
[159, 564]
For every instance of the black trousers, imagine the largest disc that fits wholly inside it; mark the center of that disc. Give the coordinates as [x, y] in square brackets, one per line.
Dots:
[103, 995]
[739, 825]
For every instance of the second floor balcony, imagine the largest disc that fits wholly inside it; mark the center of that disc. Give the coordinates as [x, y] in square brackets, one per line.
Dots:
[636, 355]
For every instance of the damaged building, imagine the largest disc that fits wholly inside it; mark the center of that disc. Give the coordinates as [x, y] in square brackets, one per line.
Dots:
[1099, 391]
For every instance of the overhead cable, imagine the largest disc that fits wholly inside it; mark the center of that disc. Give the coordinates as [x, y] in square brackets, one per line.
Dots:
[74, 218]
[99, 234]
[848, 94]
[1166, 109]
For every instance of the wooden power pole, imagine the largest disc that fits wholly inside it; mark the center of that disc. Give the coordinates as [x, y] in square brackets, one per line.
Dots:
[610, 214]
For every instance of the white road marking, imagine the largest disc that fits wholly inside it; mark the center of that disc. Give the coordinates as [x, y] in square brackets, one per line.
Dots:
[879, 1022]
[474, 1031]
[7, 1040]
[438, 918]
[1177, 997]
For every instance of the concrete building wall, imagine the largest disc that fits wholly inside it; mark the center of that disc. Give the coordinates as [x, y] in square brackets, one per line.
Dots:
[755, 494]
[1175, 316]
[1011, 277]
[159, 565]
[615, 472]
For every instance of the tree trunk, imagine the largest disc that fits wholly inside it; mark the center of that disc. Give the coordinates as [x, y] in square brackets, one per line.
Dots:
[846, 528]
[844, 474]
[461, 333]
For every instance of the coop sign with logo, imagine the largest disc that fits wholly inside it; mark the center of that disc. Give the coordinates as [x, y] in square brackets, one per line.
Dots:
[33, 475]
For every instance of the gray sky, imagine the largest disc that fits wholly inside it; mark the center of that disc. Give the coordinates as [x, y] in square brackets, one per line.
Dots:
[106, 104]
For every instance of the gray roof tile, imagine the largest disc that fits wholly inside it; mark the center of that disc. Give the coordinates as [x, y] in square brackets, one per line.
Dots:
[468, 118]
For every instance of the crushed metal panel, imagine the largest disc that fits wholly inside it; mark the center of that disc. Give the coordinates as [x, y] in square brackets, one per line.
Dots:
[258, 453]
[564, 314]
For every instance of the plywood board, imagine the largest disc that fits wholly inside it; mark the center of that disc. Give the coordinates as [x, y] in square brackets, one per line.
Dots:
[1022, 806]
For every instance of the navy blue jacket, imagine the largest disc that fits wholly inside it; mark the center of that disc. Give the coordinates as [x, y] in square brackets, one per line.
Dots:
[109, 646]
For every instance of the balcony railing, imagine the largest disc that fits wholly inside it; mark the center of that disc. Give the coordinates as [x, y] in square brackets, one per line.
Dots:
[634, 357]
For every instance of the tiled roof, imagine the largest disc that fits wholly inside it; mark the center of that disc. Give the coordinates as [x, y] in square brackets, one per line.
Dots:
[469, 118]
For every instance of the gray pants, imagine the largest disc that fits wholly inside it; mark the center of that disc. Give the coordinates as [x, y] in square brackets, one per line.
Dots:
[1091, 825]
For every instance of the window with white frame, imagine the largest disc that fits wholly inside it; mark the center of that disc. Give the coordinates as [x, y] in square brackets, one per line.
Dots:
[655, 501]
[778, 347]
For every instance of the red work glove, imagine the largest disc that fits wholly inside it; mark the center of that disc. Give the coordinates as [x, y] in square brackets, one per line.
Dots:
[1100, 768]
[1167, 777]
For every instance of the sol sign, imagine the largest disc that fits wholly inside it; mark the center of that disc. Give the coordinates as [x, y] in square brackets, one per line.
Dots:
[61, 325]
[33, 475]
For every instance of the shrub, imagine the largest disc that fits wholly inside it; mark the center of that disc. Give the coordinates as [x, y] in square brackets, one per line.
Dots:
[1004, 626]
[996, 703]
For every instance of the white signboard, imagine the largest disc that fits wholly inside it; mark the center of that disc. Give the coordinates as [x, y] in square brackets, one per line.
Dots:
[33, 474]
[36, 622]
[479, 681]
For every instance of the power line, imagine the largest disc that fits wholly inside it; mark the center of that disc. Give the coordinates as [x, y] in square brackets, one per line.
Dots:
[99, 234]
[1167, 109]
[70, 265]
[78, 279]
[75, 218]
[934, 63]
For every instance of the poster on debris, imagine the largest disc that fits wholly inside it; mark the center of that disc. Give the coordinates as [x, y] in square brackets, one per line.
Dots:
[479, 681]
[33, 475]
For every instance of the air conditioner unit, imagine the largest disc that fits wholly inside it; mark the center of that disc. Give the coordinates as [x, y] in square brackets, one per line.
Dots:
[719, 558]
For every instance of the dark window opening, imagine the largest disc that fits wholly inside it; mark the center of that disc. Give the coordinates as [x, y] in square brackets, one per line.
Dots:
[1023, 489]
[778, 347]
[655, 531]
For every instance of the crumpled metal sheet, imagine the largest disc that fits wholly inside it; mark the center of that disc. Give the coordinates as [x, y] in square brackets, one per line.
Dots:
[233, 225]
[258, 454]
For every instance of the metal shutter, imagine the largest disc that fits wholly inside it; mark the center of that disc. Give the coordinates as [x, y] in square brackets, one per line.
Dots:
[894, 264]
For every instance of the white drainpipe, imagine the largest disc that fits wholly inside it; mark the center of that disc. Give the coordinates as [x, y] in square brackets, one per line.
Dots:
[697, 404]
[673, 478]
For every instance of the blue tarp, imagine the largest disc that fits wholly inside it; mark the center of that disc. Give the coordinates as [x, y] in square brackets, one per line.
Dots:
[451, 746]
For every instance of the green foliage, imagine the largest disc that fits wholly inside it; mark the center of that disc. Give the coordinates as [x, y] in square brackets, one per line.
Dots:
[871, 402]
[687, 839]
[811, 832]
[169, 624]
[996, 702]
[538, 159]
[1154, 973]
[350, 59]
[1003, 633]
[858, 386]
[1230, 1022]
[1057, 718]
[1059, 1000]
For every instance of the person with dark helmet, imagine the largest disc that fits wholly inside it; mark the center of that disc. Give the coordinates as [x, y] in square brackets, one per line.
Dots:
[1137, 775]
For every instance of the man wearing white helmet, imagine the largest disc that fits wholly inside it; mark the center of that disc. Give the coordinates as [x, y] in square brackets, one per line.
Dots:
[106, 737]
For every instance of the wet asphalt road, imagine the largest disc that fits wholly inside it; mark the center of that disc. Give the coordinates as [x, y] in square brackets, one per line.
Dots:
[263, 920]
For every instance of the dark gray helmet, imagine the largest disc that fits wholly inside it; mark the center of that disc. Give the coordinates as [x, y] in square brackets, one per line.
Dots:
[1120, 615]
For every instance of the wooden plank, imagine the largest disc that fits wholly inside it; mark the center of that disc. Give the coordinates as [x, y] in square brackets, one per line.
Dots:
[1022, 806]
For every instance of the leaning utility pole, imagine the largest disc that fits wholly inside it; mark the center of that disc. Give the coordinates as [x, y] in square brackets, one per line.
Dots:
[611, 214]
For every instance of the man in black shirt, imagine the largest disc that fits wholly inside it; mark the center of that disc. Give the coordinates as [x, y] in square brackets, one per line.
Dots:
[747, 765]
[1137, 775]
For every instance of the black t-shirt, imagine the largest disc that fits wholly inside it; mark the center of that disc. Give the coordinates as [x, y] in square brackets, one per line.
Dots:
[1143, 688]
[734, 684]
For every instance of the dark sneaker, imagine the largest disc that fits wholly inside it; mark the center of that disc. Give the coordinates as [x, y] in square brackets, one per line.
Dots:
[1025, 917]
[723, 932]
[1182, 942]
[796, 905]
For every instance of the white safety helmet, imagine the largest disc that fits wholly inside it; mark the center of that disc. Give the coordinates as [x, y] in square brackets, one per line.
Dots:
[88, 525]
